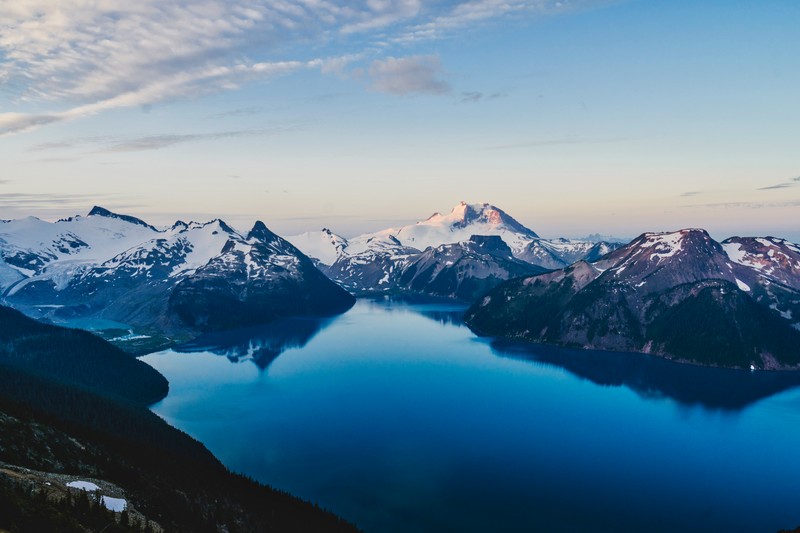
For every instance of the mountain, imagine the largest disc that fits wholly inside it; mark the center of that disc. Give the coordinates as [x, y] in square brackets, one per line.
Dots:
[252, 281]
[463, 221]
[776, 264]
[76, 358]
[120, 271]
[73, 407]
[387, 260]
[678, 295]
[463, 270]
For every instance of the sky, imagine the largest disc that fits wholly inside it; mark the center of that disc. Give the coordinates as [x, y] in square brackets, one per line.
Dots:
[574, 116]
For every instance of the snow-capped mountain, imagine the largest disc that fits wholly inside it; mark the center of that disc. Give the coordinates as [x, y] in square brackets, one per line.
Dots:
[254, 280]
[680, 294]
[375, 261]
[119, 268]
[459, 225]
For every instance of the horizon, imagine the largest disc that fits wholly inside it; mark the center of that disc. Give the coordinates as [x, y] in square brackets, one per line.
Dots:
[575, 117]
[244, 225]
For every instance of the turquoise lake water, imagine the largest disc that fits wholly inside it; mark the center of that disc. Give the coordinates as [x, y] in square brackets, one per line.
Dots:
[398, 418]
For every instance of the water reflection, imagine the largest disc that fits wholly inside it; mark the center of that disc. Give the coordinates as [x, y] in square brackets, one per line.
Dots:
[261, 344]
[648, 376]
[652, 377]
[445, 312]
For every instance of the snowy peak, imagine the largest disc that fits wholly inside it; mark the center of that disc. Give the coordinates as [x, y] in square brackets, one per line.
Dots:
[98, 211]
[775, 258]
[657, 261]
[464, 215]
[324, 246]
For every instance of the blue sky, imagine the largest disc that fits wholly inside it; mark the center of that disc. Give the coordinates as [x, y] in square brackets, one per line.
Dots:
[574, 116]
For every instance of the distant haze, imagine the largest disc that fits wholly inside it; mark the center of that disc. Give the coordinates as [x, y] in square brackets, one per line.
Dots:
[574, 116]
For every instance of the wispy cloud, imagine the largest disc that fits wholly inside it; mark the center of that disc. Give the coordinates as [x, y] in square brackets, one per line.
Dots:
[785, 185]
[157, 142]
[82, 59]
[106, 145]
[25, 203]
[689, 193]
[408, 75]
[466, 14]
[747, 205]
[241, 112]
[476, 96]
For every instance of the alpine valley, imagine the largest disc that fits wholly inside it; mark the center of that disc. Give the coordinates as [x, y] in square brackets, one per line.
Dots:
[149, 287]
[680, 295]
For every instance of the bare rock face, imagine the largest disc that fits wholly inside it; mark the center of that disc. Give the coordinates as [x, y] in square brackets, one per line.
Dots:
[463, 270]
[252, 281]
[678, 295]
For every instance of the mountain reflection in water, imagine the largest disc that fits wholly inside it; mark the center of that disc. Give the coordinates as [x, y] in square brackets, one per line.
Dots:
[649, 376]
[653, 377]
[261, 344]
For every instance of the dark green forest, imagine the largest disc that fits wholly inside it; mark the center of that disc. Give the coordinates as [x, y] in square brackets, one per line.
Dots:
[66, 407]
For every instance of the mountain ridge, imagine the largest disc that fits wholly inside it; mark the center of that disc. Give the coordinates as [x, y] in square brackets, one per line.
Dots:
[675, 294]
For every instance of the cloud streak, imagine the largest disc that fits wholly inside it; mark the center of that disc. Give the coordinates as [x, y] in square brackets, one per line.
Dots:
[785, 185]
[81, 59]
[408, 75]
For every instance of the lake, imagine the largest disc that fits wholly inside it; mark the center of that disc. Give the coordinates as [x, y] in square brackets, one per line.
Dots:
[398, 418]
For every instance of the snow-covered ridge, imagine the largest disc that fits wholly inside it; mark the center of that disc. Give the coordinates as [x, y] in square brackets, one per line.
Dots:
[106, 245]
[457, 226]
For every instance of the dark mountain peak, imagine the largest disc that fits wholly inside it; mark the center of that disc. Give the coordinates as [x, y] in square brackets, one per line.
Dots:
[98, 211]
[492, 244]
[179, 224]
[223, 226]
[261, 232]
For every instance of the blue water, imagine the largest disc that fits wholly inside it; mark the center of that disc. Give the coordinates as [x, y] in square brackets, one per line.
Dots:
[398, 418]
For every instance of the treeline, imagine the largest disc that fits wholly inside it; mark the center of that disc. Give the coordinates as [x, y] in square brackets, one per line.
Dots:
[49, 423]
[77, 358]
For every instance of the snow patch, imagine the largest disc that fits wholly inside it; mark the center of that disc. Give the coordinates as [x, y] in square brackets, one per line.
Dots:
[83, 485]
[114, 504]
[735, 252]
[742, 285]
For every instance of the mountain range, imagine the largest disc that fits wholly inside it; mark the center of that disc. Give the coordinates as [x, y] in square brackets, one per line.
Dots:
[192, 277]
[443, 255]
[154, 286]
[681, 295]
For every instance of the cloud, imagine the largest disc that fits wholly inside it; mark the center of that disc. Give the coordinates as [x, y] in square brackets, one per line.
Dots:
[240, 112]
[466, 14]
[179, 84]
[25, 202]
[689, 193]
[791, 183]
[408, 75]
[75, 59]
[106, 145]
[157, 142]
[476, 96]
[748, 205]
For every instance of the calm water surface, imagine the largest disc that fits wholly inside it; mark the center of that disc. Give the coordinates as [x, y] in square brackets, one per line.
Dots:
[398, 418]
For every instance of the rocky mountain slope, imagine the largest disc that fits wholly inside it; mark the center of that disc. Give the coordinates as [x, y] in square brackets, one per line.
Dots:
[121, 270]
[390, 260]
[73, 407]
[463, 270]
[681, 295]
